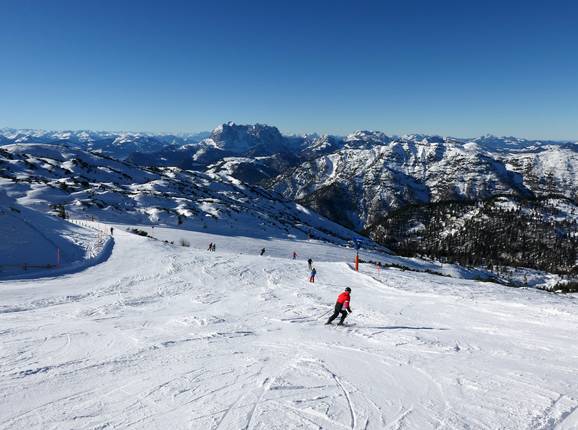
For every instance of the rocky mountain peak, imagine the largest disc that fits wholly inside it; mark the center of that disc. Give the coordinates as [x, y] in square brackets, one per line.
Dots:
[237, 138]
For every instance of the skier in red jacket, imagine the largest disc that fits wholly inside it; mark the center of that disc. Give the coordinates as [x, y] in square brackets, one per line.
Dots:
[342, 306]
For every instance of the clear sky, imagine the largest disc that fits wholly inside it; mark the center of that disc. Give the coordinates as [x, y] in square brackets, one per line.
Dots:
[460, 68]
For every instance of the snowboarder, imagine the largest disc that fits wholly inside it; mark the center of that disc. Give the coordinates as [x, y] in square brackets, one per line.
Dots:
[312, 276]
[294, 255]
[210, 248]
[262, 251]
[341, 306]
[310, 262]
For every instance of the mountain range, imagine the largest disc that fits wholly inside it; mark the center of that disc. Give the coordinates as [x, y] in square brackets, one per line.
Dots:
[81, 184]
[360, 181]
[354, 179]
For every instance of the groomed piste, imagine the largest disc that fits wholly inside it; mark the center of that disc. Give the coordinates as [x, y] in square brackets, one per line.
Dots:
[167, 336]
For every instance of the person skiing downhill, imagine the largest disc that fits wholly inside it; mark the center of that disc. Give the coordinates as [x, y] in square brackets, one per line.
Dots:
[210, 248]
[341, 306]
[312, 276]
[214, 247]
[310, 262]
[294, 255]
[262, 251]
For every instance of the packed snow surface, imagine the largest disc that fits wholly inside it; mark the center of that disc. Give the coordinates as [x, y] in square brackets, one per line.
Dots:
[165, 336]
[34, 243]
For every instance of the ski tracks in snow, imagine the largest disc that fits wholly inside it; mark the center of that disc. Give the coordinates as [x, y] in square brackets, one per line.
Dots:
[168, 337]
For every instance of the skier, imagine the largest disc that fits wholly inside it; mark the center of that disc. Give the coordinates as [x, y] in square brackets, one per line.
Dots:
[262, 251]
[341, 306]
[112, 231]
[310, 262]
[214, 247]
[210, 248]
[312, 276]
[294, 255]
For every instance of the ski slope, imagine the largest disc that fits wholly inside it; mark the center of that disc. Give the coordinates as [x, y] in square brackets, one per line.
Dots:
[33, 243]
[163, 336]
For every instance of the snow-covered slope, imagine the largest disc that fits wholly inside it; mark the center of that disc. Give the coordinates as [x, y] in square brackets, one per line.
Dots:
[371, 182]
[34, 243]
[551, 169]
[92, 185]
[377, 174]
[162, 336]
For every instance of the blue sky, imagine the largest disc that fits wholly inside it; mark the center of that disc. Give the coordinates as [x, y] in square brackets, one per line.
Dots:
[460, 68]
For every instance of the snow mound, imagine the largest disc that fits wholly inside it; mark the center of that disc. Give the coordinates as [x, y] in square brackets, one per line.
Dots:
[34, 243]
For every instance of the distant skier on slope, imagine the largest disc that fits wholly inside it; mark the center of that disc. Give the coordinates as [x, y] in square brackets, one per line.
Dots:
[312, 276]
[341, 306]
[112, 231]
[214, 247]
[210, 248]
[310, 262]
[262, 251]
[294, 255]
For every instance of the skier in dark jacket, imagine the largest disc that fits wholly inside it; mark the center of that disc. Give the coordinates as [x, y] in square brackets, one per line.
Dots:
[341, 306]
[262, 251]
[310, 262]
[312, 276]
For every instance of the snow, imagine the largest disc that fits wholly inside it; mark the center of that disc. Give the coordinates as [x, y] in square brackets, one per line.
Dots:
[120, 192]
[35, 244]
[118, 144]
[163, 336]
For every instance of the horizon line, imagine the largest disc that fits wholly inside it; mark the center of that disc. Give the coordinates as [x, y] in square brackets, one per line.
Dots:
[282, 132]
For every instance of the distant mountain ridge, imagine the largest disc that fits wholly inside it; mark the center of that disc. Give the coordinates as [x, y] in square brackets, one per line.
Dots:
[374, 179]
[119, 144]
[354, 179]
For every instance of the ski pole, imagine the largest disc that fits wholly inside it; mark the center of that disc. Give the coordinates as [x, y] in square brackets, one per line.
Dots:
[322, 315]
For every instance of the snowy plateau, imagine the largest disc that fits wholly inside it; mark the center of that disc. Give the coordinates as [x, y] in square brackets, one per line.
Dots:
[119, 317]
